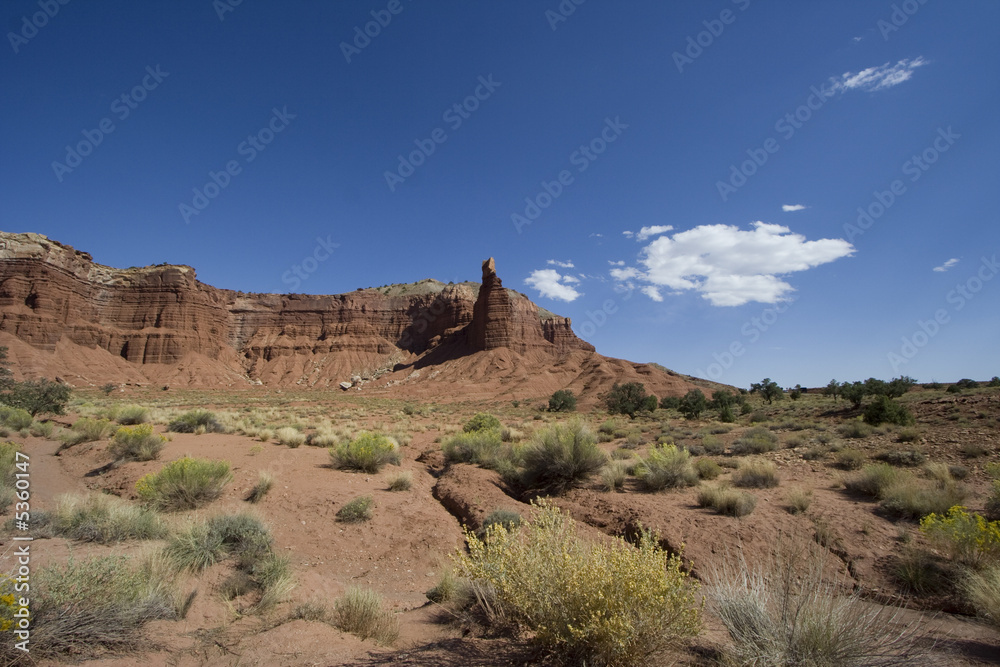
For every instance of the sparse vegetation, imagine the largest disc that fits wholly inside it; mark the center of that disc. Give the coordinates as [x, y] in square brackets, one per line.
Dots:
[799, 500]
[561, 457]
[756, 474]
[132, 414]
[105, 519]
[359, 510]
[196, 421]
[666, 467]
[726, 500]
[359, 611]
[849, 459]
[757, 440]
[481, 421]
[707, 468]
[265, 480]
[290, 437]
[615, 604]
[136, 443]
[401, 481]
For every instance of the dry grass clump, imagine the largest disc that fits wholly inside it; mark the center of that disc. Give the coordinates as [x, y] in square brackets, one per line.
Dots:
[401, 481]
[196, 421]
[366, 453]
[86, 429]
[560, 457]
[265, 480]
[290, 437]
[614, 474]
[359, 611]
[666, 467]
[132, 414]
[757, 440]
[104, 519]
[728, 501]
[604, 604]
[855, 430]
[903, 494]
[784, 612]
[707, 468]
[713, 444]
[849, 459]
[359, 510]
[756, 474]
[982, 589]
[799, 500]
[186, 483]
[905, 457]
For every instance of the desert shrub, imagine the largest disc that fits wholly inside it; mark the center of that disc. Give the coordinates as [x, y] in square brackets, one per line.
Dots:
[15, 419]
[728, 501]
[401, 481]
[91, 430]
[902, 457]
[601, 603]
[666, 466]
[8, 463]
[756, 474]
[322, 438]
[757, 440]
[562, 401]
[132, 414]
[368, 452]
[561, 457]
[609, 426]
[484, 448]
[614, 474]
[958, 472]
[186, 483]
[972, 450]
[196, 421]
[884, 410]
[290, 437]
[907, 435]
[136, 443]
[88, 608]
[917, 572]
[261, 487]
[105, 519]
[814, 453]
[783, 612]
[446, 589]
[768, 390]
[359, 612]
[626, 399]
[799, 500]
[873, 480]
[693, 404]
[912, 498]
[854, 430]
[993, 502]
[713, 444]
[982, 590]
[967, 538]
[670, 402]
[359, 510]
[849, 459]
[37, 397]
[707, 469]
[509, 519]
[481, 421]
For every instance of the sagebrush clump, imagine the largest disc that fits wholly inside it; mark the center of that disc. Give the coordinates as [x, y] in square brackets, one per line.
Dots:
[368, 452]
[186, 483]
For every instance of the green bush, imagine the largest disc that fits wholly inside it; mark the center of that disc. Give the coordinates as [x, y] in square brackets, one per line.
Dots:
[912, 498]
[561, 457]
[849, 459]
[873, 480]
[614, 474]
[105, 519]
[666, 466]
[133, 414]
[854, 430]
[707, 468]
[626, 399]
[509, 519]
[902, 457]
[358, 510]
[15, 419]
[600, 603]
[562, 401]
[37, 397]
[713, 444]
[481, 421]
[885, 410]
[670, 402]
[196, 421]
[693, 404]
[757, 440]
[136, 443]
[368, 452]
[91, 430]
[967, 538]
[186, 483]
[359, 612]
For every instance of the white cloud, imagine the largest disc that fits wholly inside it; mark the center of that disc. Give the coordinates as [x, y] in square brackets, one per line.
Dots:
[947, 265]
[628, 234]
[788, 208]
[730, 266]
[878, 78]
[654, 230]
[550, 284]
[565, 265]
[653, 292]
[570, 279]
[620, 262]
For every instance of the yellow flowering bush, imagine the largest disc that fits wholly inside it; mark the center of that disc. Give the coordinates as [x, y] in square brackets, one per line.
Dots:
[367, 453]
[969, 538]
[603, 603]
[136, 443]
[8, 603]
[186, 483]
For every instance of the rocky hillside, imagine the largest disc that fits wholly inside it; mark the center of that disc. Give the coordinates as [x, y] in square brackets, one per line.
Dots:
[63, 315]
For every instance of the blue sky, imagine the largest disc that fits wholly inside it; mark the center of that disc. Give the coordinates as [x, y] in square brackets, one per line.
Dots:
[629, 165]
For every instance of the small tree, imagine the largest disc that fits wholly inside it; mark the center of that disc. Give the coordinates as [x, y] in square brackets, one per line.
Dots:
[853, 392]
[693, 404]
[768, 390]
[832, 389]
[562, 401]
[649, 404]
[884, 409]
[626, 399]
[670, 402]
[108, 388]
[6, 376]
[994, 381]
[899, 386]
[38, 396]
